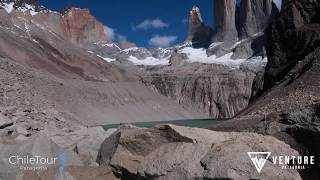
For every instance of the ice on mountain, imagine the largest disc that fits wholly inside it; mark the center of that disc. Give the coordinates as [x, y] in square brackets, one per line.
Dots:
[8, 7]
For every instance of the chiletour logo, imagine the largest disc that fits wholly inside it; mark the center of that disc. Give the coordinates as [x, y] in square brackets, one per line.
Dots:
[35, 163]
[259, 160]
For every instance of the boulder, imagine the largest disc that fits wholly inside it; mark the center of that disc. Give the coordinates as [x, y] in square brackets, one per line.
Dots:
[85, 142]
[229, 159]
[174, 152]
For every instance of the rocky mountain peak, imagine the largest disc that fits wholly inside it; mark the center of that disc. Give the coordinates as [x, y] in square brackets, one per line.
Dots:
[225, 20]
[195, 21]
[199, 34]
[82, 27]
[255, 16]
[195, 15]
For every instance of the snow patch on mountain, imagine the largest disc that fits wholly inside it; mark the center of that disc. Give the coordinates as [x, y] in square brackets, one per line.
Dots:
[200, 56]
[106, 58]
[8, 7]
[149, 61]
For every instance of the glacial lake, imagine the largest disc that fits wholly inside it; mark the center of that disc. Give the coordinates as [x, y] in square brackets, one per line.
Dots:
[199, 123]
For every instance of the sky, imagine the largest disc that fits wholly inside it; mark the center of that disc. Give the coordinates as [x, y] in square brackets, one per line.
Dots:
[148, 23]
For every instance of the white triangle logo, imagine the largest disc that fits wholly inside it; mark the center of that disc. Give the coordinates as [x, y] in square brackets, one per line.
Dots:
[259, 159]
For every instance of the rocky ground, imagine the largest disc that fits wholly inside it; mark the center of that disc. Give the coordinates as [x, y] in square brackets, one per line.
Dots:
[173, 152]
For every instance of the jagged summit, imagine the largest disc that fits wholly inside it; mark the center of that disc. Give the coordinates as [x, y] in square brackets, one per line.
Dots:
[83, 27]
[199, 34]
[195, 21]
[195, 13]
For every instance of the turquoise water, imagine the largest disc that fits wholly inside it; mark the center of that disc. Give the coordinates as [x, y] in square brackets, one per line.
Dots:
[199, 123]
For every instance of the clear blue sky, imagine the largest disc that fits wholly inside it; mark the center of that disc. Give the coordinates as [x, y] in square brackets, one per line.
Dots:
[125, 16]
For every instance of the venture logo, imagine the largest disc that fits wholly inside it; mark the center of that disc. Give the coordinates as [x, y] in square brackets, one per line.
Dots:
[259, 159]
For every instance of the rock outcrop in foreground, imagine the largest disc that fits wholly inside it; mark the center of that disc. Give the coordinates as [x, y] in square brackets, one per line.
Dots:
[173, 152]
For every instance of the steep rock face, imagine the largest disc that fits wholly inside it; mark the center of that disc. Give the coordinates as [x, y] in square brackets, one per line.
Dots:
[299, 127]
[40, 39]
[199, 34]
[82, 27]
[295, 34]
[212, 89]
[26, 41]
[225, 20]
[290, 109]
[255, 16]
[174, 153]
[241, 31]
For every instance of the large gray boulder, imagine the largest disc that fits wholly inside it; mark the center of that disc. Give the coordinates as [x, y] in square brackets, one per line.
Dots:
[84, 141]
[172, 152]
